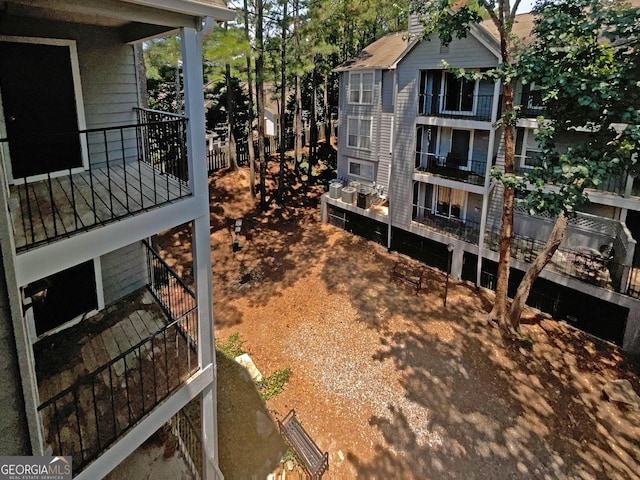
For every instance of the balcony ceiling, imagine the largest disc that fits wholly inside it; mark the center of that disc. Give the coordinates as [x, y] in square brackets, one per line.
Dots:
[117, 14]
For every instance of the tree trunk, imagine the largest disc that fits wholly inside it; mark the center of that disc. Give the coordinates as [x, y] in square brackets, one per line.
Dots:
[250, 151]
[499, 311]
[298, 112]
[556, 237]
[313, 127]
[327, 111]
[260, 103]
[233, 160]
[283, 102]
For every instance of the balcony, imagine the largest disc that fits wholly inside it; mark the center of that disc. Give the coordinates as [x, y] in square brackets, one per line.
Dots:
[615, 184]
[104, 375]
[597, 251]
[451, 167]
[127, 170]
[467, 231]
[472, 107]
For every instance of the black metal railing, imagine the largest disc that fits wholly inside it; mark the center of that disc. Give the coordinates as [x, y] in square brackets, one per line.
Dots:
[451, 167]
[611, 184]
[582, 264]
[465, 230]
[171, 292]
[99, 408]
[164, 142]
[125, 170]
[189, 441]
[474, 107]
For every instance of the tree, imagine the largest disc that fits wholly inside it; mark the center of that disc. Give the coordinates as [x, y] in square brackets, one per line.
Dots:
[439, 16]
[585, 62]
[162, 60]
[250, 149]
[260, 101]
[224, 51]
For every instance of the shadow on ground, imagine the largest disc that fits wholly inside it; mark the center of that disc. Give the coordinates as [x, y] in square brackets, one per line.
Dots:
[252, 446]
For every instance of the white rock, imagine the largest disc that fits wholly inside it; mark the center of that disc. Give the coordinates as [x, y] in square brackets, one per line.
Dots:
[247, 363]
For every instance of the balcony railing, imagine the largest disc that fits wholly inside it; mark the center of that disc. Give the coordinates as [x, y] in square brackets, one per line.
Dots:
[476, 107]
[100, 407]
[465, 230]
[616, 184]
[451, 167]
[583, 263]
[128, 169]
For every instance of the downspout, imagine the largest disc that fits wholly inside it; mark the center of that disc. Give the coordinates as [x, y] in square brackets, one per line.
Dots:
[393, 152]
[205, 26]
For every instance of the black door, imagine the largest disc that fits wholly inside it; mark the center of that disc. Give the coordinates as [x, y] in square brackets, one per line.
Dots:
[39, 108]
[70, 293]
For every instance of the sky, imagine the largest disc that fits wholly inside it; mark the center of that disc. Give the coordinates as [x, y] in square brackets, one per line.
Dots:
[525, 6]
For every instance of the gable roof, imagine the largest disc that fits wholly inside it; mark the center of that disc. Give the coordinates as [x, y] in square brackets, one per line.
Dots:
[381, 54]
[522, 28]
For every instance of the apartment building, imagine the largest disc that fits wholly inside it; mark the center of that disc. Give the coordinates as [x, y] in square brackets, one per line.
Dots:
[415, 149]
[102, 341]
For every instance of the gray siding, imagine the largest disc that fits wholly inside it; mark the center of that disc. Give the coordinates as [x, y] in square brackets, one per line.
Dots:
[466, 53]
[123, 271]
[387, 91]
[381, 124]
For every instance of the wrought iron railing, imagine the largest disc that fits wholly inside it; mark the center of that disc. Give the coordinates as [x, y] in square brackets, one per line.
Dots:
[189, 441]
[476, 107]
[163, 141]
[125, 170]
[99, 408]
[453, 168]
[580, 263]
[465, 230]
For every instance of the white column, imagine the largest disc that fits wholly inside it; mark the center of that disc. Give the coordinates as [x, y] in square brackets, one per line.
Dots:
[201, 248]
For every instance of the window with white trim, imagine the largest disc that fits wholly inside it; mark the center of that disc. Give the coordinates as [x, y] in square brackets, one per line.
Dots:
[361, 88]
[362, 169]
[449, 202]
[359, 132]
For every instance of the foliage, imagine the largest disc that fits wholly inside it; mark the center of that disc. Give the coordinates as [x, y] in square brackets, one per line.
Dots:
[272, 385]
[585, 64]
[216, 115]
[162, 59]
[232, 347]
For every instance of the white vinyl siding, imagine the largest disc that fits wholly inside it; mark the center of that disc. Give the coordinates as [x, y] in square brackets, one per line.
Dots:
[361, 88]
[359, 133]
[123, 271]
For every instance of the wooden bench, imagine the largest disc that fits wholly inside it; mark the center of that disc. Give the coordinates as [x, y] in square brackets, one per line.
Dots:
[406, 273]
[310, 457]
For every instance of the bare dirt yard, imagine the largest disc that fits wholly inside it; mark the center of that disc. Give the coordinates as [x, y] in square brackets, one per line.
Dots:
[390, 383]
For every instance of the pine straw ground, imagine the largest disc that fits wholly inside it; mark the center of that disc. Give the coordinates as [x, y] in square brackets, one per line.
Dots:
[391, 383]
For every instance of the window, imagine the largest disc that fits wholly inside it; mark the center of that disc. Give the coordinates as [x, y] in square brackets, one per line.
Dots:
[362, 169]
[527, 153]
[458, 93]
[534, 97]
[449, 202]
[359, 133]
[361, 88]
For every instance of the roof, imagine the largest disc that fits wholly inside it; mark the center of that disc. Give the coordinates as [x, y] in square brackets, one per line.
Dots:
[381, 54]
[522, 28]
[206, 8]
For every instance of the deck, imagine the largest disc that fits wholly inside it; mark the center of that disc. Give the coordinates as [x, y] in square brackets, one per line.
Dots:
[60, 206]
[98, 379]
